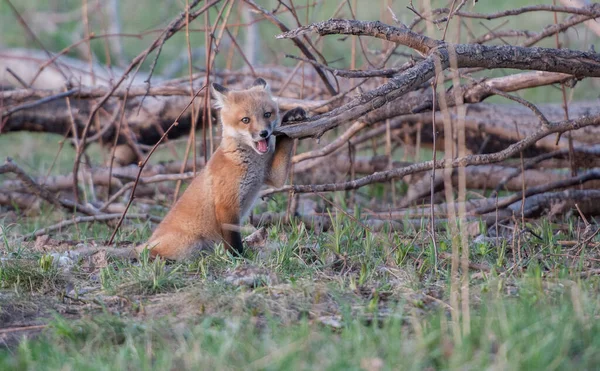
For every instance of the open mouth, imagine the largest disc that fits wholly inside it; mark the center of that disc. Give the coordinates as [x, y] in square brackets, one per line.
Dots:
[262, 146]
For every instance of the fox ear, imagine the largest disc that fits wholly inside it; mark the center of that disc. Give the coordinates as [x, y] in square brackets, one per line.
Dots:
[219, 92]
[260, 82]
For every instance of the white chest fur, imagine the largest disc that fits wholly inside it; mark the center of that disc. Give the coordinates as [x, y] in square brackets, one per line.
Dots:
[256, 170]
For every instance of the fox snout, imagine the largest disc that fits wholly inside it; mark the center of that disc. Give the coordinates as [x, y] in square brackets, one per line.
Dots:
[262, 138]
[264, 133]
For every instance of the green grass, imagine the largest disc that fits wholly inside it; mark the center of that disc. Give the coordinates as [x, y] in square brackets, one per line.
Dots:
[345, 299]
[22, 275]
[147, 277]
[550, 333]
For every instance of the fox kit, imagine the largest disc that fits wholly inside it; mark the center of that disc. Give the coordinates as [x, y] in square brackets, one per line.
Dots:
[222, 194]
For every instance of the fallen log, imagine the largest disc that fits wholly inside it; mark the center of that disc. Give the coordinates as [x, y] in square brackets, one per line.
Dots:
[489, 127]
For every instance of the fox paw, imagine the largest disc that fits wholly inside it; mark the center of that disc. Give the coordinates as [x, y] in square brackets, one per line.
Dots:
[295, 114]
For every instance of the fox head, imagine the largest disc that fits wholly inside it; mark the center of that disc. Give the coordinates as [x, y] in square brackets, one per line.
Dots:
[248, 116]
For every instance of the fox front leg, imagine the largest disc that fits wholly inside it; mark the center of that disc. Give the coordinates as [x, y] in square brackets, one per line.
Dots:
[280, 166]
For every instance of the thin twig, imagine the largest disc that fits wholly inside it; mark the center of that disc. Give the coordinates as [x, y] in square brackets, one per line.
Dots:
[354, 74]
[19, 79]
[171, 29]
[89, 219]
[469, 160]
[582, 178]
[35, 38]
[298, 43]
[10, 167]
[143, 164]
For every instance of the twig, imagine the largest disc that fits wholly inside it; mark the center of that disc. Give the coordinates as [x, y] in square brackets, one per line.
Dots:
[354, 74]
[384, 176]
[591, 24]
[39, 102]
[337, 143]
[147, 180]
[432, 178]
[34, 37]
[565, 108]
[492, 35]
[143, 164]
[474, 266]
[560, 27]
[115, 141]
[591, 11]
[10, 167]
[67, 49]
[468, 55]
[298, 43]
[89, 219]
[171, 29]
[582, 178]
[594, 151]
[22, 328]
[239, 49]
[19, 79]
[544, 121]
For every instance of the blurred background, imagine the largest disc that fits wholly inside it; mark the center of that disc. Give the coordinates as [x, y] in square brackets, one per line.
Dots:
[122, 29]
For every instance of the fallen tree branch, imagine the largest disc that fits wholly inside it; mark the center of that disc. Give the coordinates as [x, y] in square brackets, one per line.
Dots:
[158, 114]
[588, 200]
[594, 151]
[384, 176]
[580, 179]
[10, 167]
[43, 96]
[580, 64]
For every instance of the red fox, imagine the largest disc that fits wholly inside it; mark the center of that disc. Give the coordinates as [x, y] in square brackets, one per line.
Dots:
[223, 193]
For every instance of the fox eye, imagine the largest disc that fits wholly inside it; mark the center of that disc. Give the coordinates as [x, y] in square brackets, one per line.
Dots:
[267, 114]
[246, 120]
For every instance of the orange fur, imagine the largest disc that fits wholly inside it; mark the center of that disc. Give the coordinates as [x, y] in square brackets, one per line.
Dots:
[214, 204]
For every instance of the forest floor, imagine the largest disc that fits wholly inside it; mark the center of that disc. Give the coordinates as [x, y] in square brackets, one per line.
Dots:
[349, 298]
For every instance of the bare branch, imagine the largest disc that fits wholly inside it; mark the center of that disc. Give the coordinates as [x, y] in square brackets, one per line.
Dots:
[10, 167]
[88, 219]
[402, 36]
[591, 11]
[581, 4]
[298, 43]
[564, 61]
[582, 178]
[469, 160]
